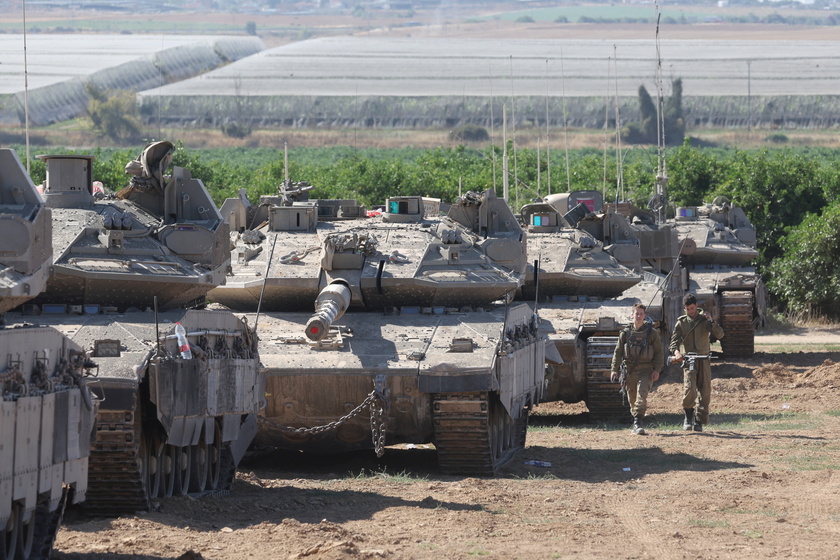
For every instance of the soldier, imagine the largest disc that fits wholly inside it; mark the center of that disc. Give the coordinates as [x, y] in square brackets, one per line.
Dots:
[693, 331]
[639, 353]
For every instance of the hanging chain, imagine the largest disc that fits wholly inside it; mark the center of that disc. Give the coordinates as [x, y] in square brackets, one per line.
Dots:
[376, 402]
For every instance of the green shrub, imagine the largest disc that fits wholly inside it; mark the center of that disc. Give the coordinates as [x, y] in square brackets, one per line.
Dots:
[471, 133]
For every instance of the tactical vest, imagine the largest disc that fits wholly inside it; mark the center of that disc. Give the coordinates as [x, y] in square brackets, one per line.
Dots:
[637, 347]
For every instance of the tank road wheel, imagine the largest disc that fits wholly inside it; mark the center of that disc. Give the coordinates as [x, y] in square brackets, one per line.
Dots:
[151, 453]
[198, 461]
[474, 434]
[521, 427]
[214, 459]
[183, 468]
[9, 537]
[503, 437]
[170, 471]
[25, 538]
[736, 318]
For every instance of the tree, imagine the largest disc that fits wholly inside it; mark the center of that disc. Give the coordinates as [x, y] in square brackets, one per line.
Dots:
[804, 278]
[645, 130]
[113, 113]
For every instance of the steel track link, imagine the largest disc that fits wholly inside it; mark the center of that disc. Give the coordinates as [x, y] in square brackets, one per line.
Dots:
[603, 397]
[115, 472]
[737, 322]
[46, 530]
[465, 436]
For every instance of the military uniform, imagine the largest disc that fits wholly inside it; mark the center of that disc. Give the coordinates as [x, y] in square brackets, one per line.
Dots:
[641, 351]
[693, 335]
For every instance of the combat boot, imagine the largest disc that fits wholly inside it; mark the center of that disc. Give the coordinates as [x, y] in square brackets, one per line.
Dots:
[688, 423]
[638, 429]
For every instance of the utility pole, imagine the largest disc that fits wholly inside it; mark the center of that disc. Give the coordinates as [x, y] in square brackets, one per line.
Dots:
[749, 97]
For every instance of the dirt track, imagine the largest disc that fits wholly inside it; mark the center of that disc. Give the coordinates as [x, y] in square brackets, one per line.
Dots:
[762, 482]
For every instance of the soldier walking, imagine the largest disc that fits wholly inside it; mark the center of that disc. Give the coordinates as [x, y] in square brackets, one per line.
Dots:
[693, 331]
[639, 355]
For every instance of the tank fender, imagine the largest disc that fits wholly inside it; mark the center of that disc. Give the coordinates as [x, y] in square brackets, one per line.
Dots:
[449, 378]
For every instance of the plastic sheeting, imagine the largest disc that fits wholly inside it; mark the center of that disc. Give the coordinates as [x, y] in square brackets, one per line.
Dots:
[67, 100]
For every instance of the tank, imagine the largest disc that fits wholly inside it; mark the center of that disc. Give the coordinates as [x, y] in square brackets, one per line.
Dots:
[47, 410]
[622, 262]
[718, 245]
[408, 336]
[176, 413]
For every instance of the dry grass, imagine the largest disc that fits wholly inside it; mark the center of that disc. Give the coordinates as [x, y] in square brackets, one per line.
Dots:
[77, 135]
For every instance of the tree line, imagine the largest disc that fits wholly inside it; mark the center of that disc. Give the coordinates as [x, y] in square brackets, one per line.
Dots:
[789, 194]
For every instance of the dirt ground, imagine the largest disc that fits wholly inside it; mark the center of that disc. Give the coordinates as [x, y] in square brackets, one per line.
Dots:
[761, 482]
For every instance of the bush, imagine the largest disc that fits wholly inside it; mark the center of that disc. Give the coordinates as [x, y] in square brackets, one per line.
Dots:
[470, 133]
[777, 138]
[235, 130]
[113, 113]
[812, 246]
[524, 19]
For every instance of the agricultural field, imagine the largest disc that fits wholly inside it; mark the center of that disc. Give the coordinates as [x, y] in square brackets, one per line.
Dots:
[427, 67]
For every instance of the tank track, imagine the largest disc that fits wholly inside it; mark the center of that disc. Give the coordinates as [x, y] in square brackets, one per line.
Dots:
[736, 318]
[46, 528]
[474, 434]
[118, 481]
[603, 397]
[115, 471]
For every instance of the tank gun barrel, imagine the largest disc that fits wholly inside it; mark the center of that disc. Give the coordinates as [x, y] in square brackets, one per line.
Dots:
[330, 305]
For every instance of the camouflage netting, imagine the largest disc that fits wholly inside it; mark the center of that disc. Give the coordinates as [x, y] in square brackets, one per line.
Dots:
[68, 99]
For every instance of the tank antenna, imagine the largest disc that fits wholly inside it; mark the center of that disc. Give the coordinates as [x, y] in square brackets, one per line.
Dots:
[565, 124]
[157, 328]
[265, 279]
[25, 91]
[492, 130]
[661, 170]
[547, 134]
[286, 164]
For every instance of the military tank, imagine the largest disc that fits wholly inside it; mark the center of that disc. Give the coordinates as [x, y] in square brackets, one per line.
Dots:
[621, 262]
[412, 339]
[179, 388]
[718, 244]
[46, 410]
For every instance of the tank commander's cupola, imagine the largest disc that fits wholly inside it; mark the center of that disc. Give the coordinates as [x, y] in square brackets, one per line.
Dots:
[69, 181]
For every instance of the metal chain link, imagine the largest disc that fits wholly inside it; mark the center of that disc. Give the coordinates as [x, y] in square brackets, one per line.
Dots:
[375, 401]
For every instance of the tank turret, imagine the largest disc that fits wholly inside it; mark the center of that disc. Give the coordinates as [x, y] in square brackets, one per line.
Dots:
[160, 237]
[718, 245]
[412, 339]
[126, 266]
[594, 264]
[47, 410]
[25, 235]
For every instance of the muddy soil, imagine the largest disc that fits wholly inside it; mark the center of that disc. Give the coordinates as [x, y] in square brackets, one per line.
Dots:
[761, 482]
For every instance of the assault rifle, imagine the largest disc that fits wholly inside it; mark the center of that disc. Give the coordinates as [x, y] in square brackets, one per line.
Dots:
[689, 358]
